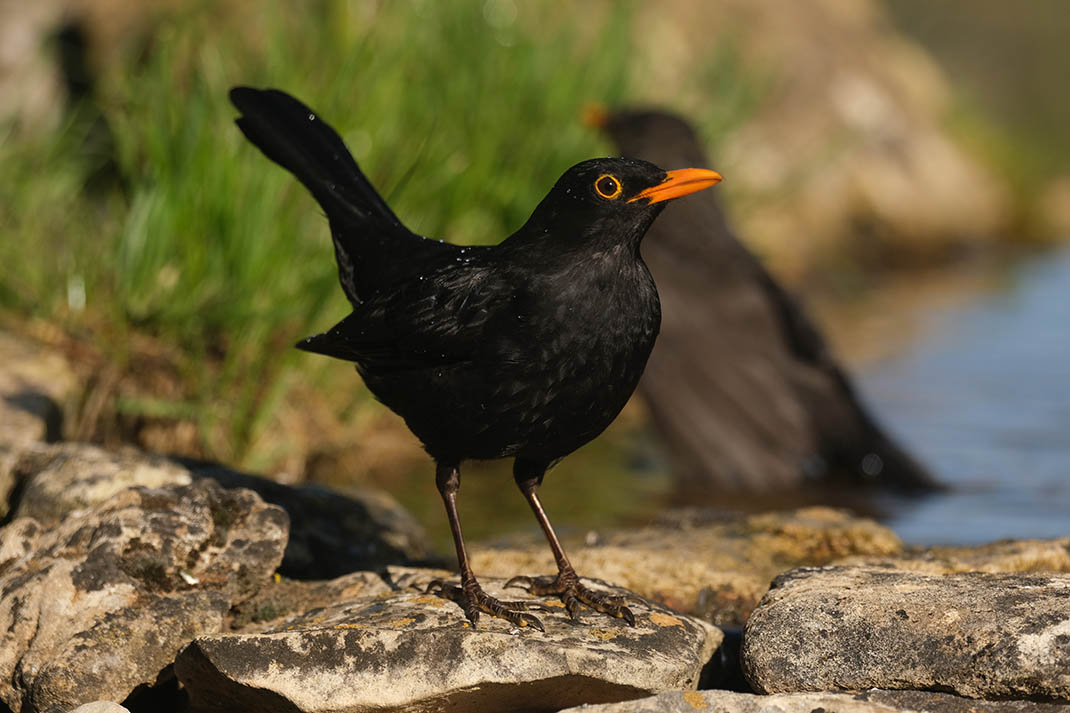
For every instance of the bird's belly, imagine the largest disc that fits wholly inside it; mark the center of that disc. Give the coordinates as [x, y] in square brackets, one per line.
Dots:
[559, 397]
[567, 403]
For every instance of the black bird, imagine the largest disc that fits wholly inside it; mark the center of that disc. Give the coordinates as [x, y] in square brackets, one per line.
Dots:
[527, 349]
[742, 386]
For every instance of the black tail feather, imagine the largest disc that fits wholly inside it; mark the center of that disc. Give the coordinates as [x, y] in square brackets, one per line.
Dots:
[372, 246]
[293, 136]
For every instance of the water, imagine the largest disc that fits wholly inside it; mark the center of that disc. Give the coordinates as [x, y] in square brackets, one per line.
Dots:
[984, 399]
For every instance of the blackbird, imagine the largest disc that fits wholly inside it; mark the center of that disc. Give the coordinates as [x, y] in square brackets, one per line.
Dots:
[742, 386]
[527, 349]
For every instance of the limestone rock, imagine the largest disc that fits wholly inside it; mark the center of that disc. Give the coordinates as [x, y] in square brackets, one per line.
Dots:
[331, 533]
[100, 603]
[875, 701]
[976, 634]
[282, 597]
[716, 569]
[57, 479]
[931, 702]
[1002, 556]
[409, 651]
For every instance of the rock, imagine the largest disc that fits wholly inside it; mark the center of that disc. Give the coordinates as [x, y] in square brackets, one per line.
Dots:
[1002, 556]
[57, 479]
[714, 569]
[931, 702]
[875, 701]
[1054, 207]
[94, 707]
[35, 385]
[286, 597]
[409, 651]
[31, 88]
[333, 533]
[99, 604]
[975, 634]
[9, 455]
[330, 534]
[853, 96]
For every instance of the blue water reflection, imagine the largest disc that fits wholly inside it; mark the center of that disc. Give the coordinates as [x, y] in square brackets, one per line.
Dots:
[985, 401]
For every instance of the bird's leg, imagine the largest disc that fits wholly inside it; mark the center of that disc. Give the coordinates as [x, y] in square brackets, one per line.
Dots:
[470, 595]
[566, 584]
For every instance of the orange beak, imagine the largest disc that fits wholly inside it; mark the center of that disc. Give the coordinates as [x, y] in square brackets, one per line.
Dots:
[680, 182]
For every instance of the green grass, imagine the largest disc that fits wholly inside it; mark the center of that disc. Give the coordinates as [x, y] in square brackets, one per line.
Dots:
[460, 113]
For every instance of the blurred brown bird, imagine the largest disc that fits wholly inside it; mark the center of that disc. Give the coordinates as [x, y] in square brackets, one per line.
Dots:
[741, 385]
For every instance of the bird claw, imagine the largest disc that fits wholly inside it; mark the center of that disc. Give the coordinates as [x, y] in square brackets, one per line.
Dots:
[523, 579]
[473, 600]
[438, 587]
[567, 586]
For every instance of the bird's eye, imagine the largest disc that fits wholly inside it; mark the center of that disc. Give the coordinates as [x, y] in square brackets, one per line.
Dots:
[607, 186]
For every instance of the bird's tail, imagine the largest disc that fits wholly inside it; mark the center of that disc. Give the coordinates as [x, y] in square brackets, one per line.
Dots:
[293, 136]
[367, 235]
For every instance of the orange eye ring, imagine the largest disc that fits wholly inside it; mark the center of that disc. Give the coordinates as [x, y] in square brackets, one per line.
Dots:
[608, 186]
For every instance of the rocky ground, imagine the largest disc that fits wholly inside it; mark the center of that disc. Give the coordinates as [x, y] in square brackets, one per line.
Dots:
[129, 581]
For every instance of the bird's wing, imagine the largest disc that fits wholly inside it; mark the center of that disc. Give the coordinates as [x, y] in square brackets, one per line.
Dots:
[373, 248]
[435, 321]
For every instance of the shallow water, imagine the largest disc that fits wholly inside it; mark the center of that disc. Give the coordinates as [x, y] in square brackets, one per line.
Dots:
[983, 397]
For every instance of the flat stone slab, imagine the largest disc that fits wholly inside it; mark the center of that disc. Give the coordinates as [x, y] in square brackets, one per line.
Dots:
[409, 651]
[282, 597]
[874, 701]
[976, 634]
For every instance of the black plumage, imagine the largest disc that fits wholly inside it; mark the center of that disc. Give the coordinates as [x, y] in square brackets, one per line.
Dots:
[526, 349]
[742, 386]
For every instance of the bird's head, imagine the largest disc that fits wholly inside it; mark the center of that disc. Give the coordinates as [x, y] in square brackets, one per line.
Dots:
[611, 200]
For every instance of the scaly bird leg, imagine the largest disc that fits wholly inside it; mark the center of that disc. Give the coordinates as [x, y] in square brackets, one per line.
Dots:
[566, 584]
[470, 596]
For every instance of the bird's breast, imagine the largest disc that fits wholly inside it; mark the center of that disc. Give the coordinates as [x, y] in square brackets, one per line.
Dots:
[582, 340]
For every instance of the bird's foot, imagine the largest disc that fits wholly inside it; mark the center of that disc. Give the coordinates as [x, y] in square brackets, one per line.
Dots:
[573, 593]
[473, 600]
